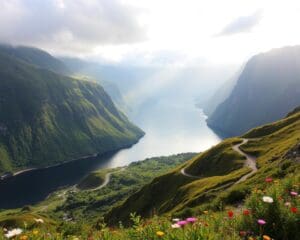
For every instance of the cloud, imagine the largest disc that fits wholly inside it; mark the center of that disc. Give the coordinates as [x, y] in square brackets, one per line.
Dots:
[242, 24]
[75, 25]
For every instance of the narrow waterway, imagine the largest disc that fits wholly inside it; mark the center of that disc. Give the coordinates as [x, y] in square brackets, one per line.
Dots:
[170, 128]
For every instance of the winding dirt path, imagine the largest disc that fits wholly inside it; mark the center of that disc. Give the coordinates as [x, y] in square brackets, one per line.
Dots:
[249, 162]
[107, 179]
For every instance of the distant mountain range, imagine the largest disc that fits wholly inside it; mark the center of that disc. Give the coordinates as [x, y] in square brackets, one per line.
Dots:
[266, 89]
[47, 117]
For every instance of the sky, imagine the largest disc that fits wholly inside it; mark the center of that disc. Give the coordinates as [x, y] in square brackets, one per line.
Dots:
[152, 32]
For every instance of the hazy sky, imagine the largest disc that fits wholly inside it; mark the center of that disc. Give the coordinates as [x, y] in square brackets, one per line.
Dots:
[154, 31]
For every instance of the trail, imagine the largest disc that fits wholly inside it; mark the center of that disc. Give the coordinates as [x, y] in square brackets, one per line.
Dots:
[249, 162]
[107, 179]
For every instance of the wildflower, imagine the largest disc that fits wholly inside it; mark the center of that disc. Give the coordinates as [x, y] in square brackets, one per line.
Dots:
[243, 233]
[293, 193]
[191, 219]
[294, 210]
[175, 225]
[23, 237]
[14, 232]
[160, 233]
[268, 180]
[287, 204]
[39, 220]
[182, 223]
[230, 214]
[261, 222]
[266, 237]
[267, 199]
[175, 219]
[205, 212]
[246, 212]
[35, 232]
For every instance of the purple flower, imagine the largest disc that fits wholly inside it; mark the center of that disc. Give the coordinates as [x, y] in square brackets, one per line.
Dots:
[191, 219]
[261, 222]
[182, 223]
[294, 193]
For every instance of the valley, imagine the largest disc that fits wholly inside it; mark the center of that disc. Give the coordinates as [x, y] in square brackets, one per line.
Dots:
[149, 120]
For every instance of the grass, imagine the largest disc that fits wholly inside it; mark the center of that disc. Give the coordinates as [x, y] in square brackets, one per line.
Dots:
[174, 192]
[281, 218]
[87, 203]
[52, 118]
[219, 160]
[94, 179]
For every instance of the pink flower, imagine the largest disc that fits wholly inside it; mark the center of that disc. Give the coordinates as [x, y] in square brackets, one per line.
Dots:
[294, 193]
[182, 223]
[261, 222]
[191, 219]
[175, 225]
[287, 204]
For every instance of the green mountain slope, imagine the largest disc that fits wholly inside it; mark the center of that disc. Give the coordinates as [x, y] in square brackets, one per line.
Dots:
[94, 70]
[36, 57]
[47, 118]
[214, 174]
[266, 89]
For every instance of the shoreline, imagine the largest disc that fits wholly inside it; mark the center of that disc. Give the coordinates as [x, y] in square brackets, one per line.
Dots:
[94, 155]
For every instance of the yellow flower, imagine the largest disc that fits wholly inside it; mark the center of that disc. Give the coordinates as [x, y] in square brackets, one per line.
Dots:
[23, 237]
[250, 238]
[266, 237]
[35, 232]
[205, 212]
[160, 233]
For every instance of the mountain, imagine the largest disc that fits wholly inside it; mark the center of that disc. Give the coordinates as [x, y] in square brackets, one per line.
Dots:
[221, 175]
[267, 88]
[36, 57]
[86, 69]
[220, 95]
[47, 118]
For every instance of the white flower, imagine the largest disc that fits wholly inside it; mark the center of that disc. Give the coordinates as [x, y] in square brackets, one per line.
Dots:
[175, 225]
[287, 204]
[175, 219]
[14, 232]
[267, 199]
[39, 220]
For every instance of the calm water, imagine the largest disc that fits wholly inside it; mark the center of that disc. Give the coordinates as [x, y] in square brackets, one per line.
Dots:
[170, 128]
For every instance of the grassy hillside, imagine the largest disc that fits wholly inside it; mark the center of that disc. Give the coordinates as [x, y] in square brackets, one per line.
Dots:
[88, 203]
[266, 90]
[46, 118]
[276, 217]
[179, 195]
[37, 57]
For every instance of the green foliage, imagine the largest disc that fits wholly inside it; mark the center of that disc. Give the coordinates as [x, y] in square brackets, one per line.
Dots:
[282, 219]
[173, 192]
[91, 204]
[219, 160]
[46, 118]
